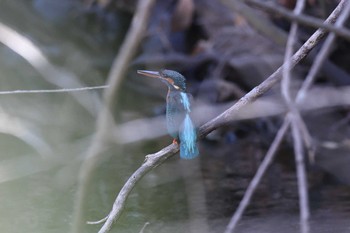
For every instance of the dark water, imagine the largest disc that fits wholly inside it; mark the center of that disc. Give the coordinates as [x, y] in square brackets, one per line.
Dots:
[44, 138]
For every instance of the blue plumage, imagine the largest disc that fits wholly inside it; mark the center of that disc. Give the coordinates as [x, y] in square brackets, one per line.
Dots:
[185, 101]
[188, 138]
[187, 135]
[179, 123]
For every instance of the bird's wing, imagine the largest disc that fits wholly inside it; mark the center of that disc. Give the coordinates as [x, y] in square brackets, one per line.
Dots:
[176, 112]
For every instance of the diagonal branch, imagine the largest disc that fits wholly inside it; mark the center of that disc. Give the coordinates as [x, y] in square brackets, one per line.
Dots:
[273, 79]
[263, 167]
[153, 160]
[257, 177]
[322, 56]
[300, 18]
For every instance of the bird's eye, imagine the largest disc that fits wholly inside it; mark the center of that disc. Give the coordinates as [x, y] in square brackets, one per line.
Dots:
[176, 87]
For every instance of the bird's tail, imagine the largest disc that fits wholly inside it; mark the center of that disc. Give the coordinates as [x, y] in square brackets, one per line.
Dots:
[188, 139]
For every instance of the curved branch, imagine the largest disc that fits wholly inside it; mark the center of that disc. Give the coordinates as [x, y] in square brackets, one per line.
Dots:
[153, 160]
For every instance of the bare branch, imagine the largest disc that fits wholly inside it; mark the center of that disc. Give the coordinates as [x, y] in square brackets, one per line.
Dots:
[36, 58]
[266, 106]
[300, 18]
[295, 120]
[64, 90]
[156, 159]
[252, 186]
[144, 227]
[151, 161]
[300, 97]
[257, 178]
[271, 31]
[322, 56]
[105, 120]
[228, 115]
[301, 174]
[315, 68]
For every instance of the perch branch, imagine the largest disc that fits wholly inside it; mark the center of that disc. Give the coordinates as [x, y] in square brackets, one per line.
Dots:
[266, 106]
[105, 120]
[215, 123]
[151, 161]
[273, 79]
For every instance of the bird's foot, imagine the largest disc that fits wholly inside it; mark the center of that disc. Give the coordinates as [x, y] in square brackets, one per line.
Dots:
[175, 141]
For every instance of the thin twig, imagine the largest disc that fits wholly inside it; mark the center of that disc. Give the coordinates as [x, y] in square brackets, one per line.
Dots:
[300, 18]
[105, 120]
[301, 175]
[315, 68]
[298, 147]
[295, 120]
[307, 138]
[53, 90]
[144, 227]
[151, 161]
[97, 222]
[222, 119]
[322, 56]
[273, 79]
[247, 196]
[295, 116]
[51, 73]
[285, 84]
[271, 31]
[257, 178]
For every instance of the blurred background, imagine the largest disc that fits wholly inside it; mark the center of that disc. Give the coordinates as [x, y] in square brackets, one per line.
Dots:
[223, 53]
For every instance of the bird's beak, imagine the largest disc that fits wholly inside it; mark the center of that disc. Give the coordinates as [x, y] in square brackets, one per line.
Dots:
[152, 74]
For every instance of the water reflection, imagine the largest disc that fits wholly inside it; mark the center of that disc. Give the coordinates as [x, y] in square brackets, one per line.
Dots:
[37, 193]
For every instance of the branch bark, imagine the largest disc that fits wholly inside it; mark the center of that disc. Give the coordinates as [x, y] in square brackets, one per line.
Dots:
[259, 90]
[263, 167]
[296, 121]
[154, 160]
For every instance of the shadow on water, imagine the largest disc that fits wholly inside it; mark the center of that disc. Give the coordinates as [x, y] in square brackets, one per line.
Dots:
[44, 139]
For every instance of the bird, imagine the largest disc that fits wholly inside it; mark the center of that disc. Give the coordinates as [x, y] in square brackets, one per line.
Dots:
[178, 108]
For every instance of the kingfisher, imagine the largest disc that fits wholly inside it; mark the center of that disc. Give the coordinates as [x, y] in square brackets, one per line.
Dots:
[178, 109]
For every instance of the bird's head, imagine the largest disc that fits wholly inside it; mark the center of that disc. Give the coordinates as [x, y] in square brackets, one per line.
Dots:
[173, 79]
